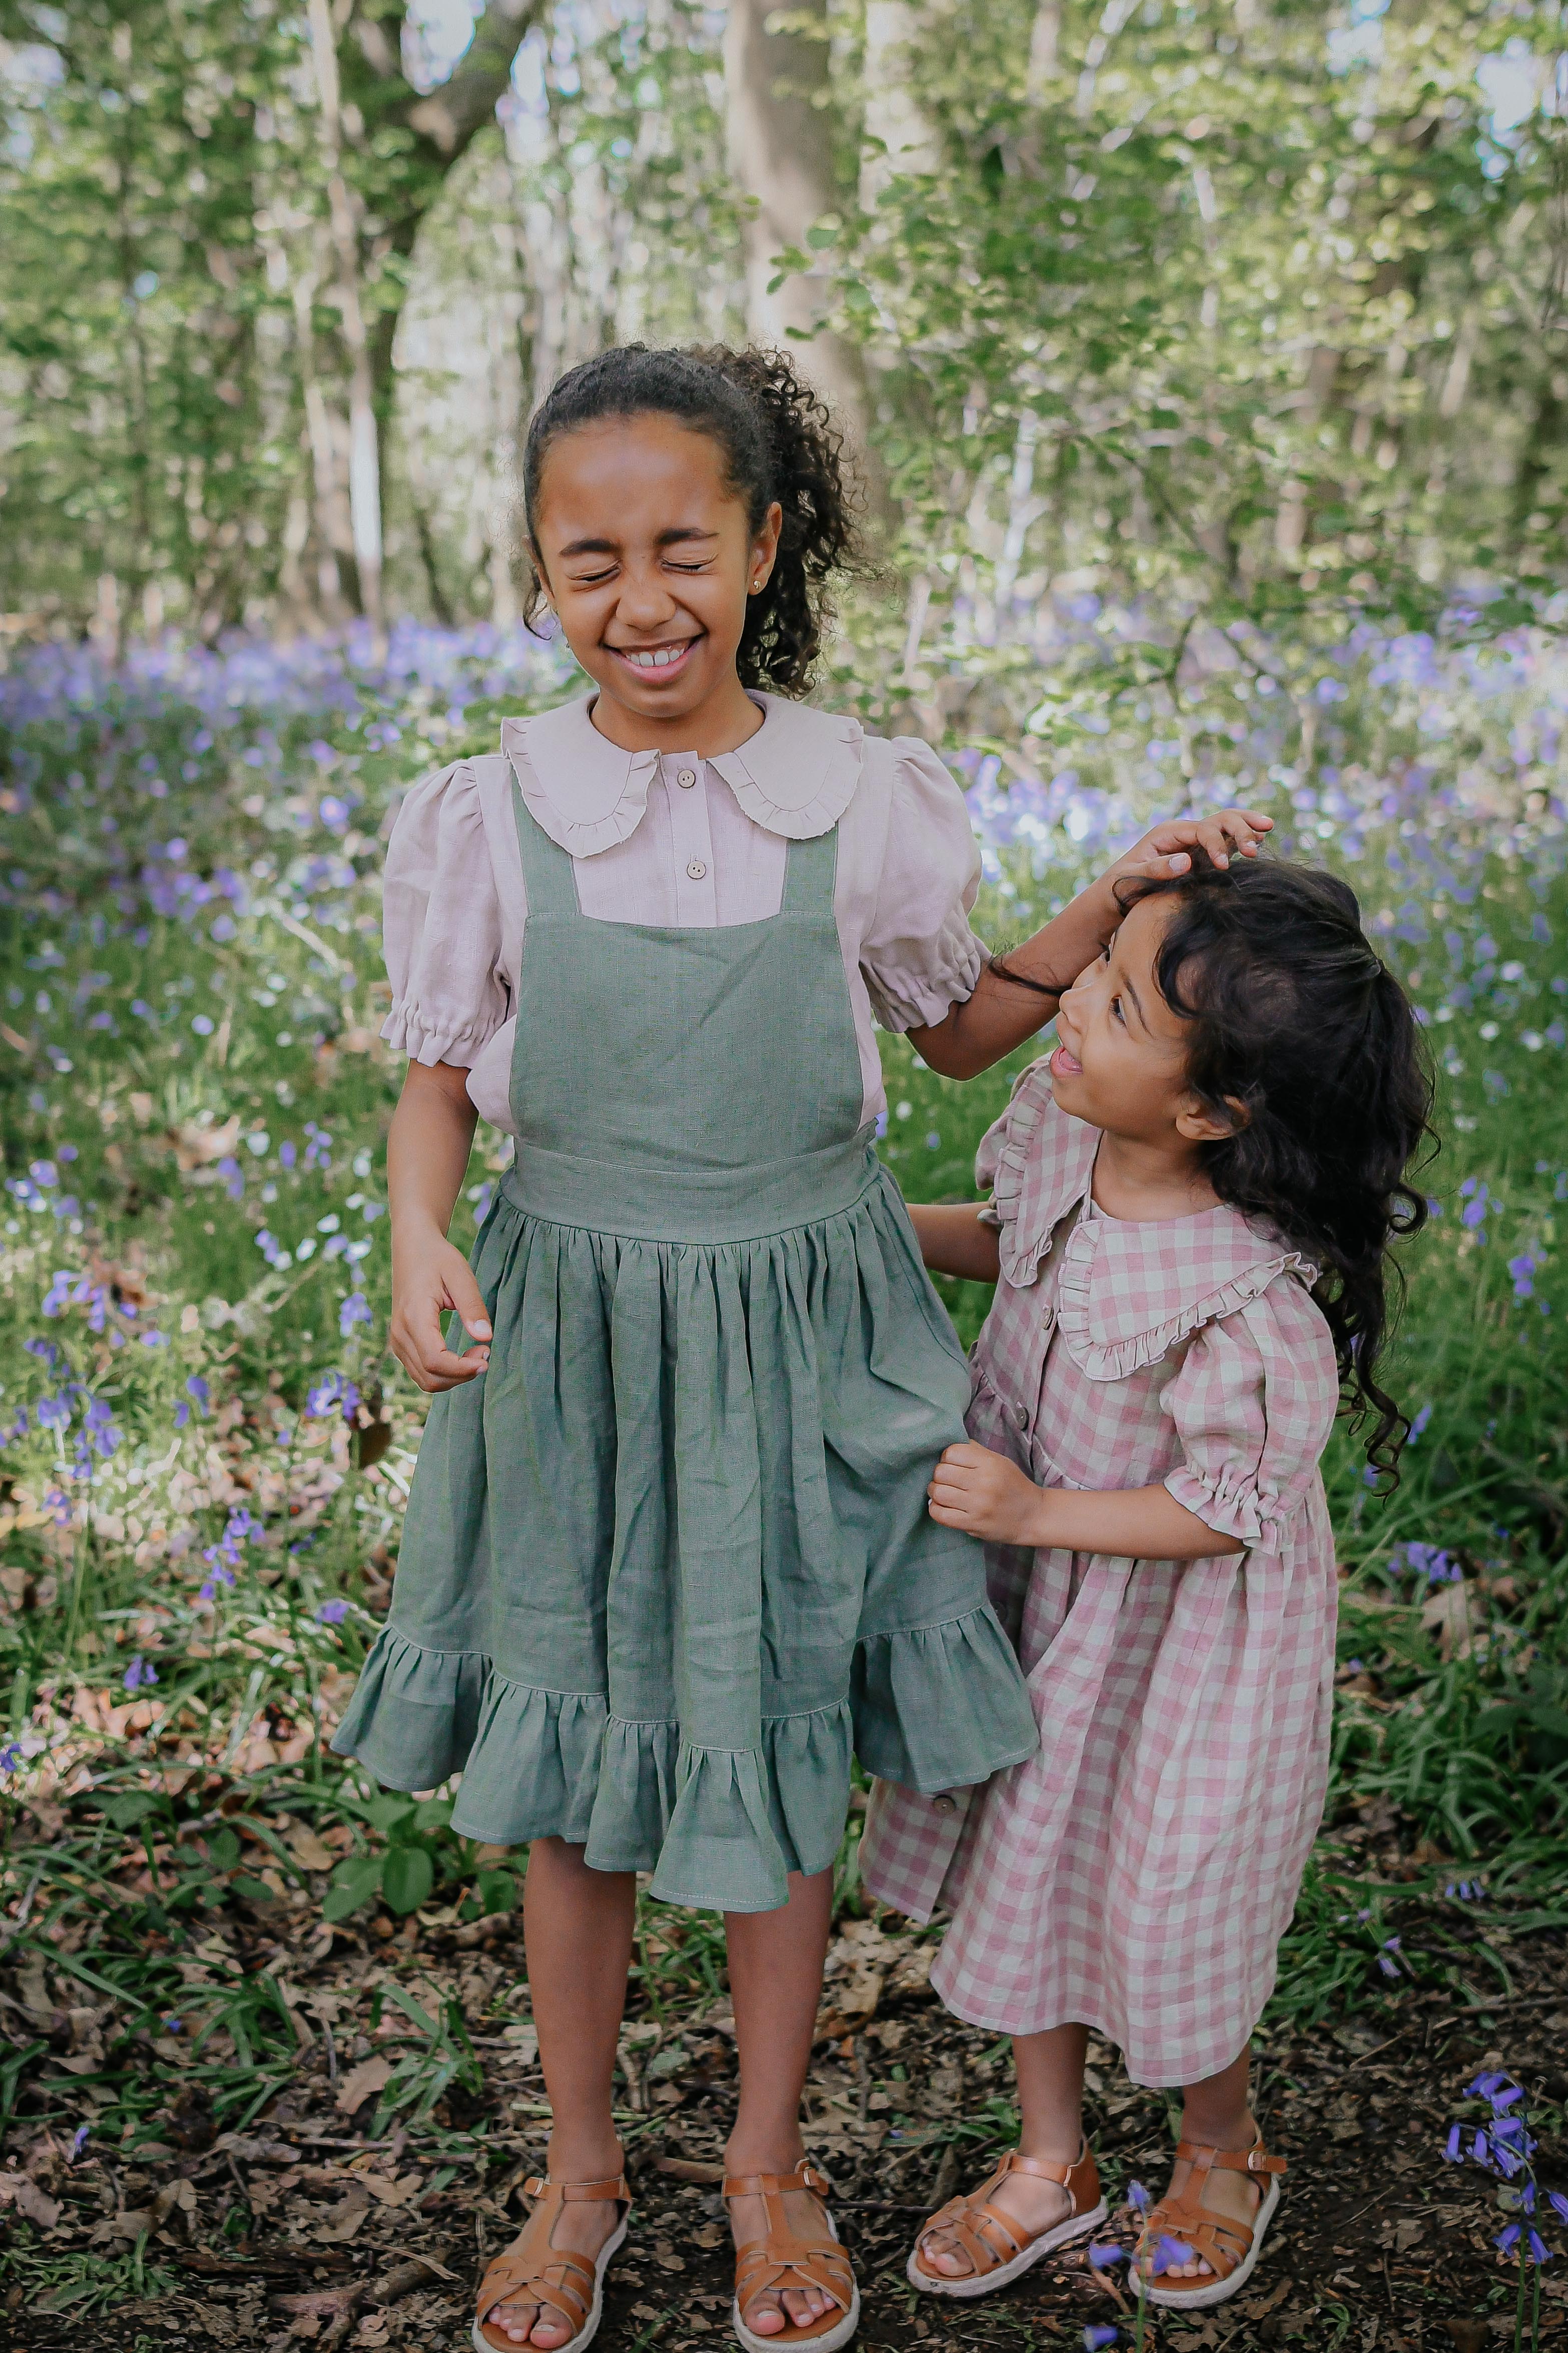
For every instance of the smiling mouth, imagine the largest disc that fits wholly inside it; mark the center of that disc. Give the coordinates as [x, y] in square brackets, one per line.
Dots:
[653, 661]
[1065, 1064]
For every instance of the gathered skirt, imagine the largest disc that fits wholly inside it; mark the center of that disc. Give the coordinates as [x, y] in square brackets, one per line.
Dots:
[668, 1564]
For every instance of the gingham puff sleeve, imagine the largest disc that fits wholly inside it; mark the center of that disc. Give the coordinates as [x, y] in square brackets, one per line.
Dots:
[918, 955]
[442, 924]
[1253, 1403]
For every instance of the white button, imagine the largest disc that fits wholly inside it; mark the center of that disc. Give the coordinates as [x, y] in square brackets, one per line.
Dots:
[944, 1805]
[1047, 1314]
[686, 779]
[696, 870]
[1021, 1416]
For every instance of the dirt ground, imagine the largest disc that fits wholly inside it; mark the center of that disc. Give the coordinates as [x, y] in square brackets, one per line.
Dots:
[302, 2230]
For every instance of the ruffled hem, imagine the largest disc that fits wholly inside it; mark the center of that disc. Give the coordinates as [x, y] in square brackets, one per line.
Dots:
[1228, 1507]
[914, 1000]
[935, 1707]
[941, 1707]
[1080, 1304]
[407, 1030]
[414, 1712]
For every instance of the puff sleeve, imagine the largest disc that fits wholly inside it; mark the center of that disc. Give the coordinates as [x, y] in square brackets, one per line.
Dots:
[442, 924]
[918, 955]
[1253, 1403]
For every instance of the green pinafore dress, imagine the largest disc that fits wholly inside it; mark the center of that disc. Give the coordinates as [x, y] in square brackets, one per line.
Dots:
[668, 1563]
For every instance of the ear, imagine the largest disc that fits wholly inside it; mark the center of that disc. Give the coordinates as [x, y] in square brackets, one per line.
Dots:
[765, 548]
[540, 573]
[1200, 1124]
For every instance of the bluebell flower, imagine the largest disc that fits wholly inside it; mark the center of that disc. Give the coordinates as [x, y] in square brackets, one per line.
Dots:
[333, 1613]
[139, 1673]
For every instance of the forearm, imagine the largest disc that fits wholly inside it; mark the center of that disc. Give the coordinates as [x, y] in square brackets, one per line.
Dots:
[428, 1151]
[1140, 1522]
[1003, 1013]
[954, 1242]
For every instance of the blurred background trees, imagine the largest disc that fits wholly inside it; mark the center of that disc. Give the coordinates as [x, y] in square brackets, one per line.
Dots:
[1251, 313]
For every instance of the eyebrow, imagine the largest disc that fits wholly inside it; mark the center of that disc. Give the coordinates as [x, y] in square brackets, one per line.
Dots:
[678, 535]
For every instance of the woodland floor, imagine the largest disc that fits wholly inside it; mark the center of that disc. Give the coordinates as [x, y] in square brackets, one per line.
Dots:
[304, 2230]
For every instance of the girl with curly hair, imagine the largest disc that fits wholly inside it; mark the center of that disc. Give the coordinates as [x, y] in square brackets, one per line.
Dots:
[1193, 1204]
[666, 1559]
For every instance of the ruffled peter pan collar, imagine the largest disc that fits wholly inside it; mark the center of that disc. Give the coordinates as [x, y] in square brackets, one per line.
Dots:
[796, 776]
[1126, 1293]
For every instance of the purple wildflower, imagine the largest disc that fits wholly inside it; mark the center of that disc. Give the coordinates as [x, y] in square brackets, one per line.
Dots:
[1454, 2152]
[139, 1673]
[1170, 2254]
[333, 1613]
[79, 2139]
[1097, 2336]
[1106, 2256]
[1506, 2239]
[1138, 2197]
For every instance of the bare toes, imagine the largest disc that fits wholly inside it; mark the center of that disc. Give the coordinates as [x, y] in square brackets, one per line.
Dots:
[766, 2321]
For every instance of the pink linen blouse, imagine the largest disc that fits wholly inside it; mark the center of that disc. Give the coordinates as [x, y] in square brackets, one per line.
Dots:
[671, 838]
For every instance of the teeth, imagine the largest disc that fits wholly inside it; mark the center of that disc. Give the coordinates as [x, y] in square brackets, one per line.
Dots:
[659, 658]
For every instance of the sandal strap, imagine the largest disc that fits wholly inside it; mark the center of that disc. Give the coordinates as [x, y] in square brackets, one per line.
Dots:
[775, 2185]
[579, 2192]
[1255, 2159]
[1222, 2244]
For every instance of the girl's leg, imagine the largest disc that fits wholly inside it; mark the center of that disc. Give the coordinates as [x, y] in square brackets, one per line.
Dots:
[577, 1925]
[1215, 2115]
[1050, 2103]
[775, 1980]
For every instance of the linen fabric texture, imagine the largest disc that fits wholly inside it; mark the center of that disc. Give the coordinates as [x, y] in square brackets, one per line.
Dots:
[675, 839]
[1137, 1874]
[668, 1563]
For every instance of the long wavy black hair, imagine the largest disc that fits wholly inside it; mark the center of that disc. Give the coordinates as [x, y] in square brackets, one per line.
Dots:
[1305, 1044]
[779, 442]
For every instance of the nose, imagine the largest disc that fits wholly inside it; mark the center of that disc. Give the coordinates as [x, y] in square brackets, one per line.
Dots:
[645, 601]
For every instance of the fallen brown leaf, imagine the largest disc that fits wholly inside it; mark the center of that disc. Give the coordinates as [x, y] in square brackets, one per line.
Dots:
[687, 2168]
[371, 2075]
[33, 2203]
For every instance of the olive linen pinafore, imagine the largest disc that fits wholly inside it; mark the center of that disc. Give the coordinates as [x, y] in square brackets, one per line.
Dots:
[669, 1561]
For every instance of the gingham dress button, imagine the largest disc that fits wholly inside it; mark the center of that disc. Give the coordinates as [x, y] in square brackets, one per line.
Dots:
[944, 1805]
[686, 779]
[1021, 1416]
[696, 870]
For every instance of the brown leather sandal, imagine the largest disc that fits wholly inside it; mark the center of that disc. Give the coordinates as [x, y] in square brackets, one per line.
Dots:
[998, 2247]
[1229, 2248]
[781, 2262]
[532, 2271]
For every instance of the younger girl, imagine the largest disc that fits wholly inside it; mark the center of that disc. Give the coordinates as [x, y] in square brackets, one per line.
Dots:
[1193, 1204]
[666, 1557]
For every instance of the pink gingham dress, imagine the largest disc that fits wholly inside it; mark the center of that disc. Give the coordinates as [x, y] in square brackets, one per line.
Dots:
[1137, 1874]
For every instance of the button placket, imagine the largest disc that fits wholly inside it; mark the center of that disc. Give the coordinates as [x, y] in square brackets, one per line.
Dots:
[695, 897]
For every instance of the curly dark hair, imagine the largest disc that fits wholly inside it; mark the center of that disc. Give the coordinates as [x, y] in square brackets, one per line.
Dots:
[1298, 1025]
[779, 442]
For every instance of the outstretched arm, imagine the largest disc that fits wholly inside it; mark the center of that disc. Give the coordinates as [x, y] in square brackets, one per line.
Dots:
[954, 1242]
[1003, 1013]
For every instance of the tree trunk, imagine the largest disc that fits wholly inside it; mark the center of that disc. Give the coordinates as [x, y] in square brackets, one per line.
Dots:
[781, 152]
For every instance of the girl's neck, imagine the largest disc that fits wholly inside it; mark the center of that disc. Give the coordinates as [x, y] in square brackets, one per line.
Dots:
[1148, 1183]
[722, 723]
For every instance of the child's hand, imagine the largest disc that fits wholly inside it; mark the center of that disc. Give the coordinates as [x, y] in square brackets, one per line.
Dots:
[428, 1277]
[1165, 849]
[986, 1495]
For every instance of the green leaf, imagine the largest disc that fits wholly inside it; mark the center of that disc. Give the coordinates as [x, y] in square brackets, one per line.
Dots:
[432, 1813]
[407, 1877]
[497, 1890]
[223, 1850]
[126, 1812]
[389, 1812]
[406, 2002]
[354, 1882]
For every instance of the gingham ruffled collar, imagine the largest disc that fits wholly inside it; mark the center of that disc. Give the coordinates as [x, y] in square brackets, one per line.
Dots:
[1126, 1293]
